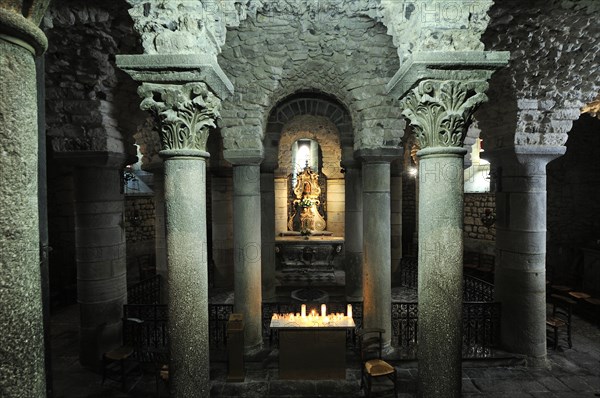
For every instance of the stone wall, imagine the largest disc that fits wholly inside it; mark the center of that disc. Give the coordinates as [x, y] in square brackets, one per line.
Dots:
[475, 207]
[574, 202]
[285, 49]
[552, 71]
[91, 105]
[139, 218]
[61, 232]
[222, 227]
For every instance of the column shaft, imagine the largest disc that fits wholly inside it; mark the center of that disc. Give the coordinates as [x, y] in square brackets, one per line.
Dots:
[354, 235]
[247, 251]
[101, 260]
[377, 286]
[20, 288]
[396, 216]
[267, 195]
[440, 271]
[185, 200]
[520, 276]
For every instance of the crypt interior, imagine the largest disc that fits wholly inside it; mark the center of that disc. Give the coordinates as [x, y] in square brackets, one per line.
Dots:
[221, 197]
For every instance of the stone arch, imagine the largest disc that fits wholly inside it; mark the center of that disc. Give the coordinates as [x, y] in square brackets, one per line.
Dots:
[550, 76]
[307, 103]
[333, 111]
[319, 129]
[329, 57]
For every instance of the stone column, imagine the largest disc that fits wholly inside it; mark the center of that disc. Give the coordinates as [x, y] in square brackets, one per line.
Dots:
[376, 275]
[396, 215]
[520, 274]
[222, 230]
[336, 206]
[440, 113]
[184, 113]
[354, 232]
[247, 242]
[267, 197]
[21, 319]
[100, 254]
[440, 258]
[281, 203]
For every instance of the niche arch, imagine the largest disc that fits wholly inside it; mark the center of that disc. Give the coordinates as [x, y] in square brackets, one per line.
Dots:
[319, 129]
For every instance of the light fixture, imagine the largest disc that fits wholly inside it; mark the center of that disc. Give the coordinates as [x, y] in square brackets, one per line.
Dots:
[488, 218]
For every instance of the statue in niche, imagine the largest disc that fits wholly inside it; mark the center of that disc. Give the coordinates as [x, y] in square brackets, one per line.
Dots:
[306, 201]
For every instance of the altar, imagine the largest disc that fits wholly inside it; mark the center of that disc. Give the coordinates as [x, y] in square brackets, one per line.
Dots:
[315, 253]
[312, 347]
[307, 250]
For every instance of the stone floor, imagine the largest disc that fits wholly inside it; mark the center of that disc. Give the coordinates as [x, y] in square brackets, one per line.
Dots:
[571, 373]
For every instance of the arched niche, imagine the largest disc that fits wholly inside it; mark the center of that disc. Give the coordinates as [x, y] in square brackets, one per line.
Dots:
[318, 129]
[324, 132]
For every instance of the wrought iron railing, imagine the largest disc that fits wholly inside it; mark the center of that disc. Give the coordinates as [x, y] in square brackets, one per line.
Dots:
[405, 318]
[146, 291]
[218, 315]
[475, 289]
[481, 315]
[408, 272]
[481, 329]
[480, 323]
[146, 330]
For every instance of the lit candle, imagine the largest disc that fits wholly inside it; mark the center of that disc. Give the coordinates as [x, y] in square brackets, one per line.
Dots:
[303, 309]
[323, 310]
[349, 310]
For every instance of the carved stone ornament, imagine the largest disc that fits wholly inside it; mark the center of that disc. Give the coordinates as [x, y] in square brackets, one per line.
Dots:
[440, 111]
[184, 113]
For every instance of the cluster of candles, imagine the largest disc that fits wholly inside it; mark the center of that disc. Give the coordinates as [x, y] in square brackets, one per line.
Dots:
[313, 316]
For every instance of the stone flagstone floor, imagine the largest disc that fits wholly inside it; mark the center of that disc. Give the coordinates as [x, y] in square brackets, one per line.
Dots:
[573, 373]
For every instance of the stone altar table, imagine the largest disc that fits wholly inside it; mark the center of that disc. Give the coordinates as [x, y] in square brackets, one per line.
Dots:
[312, 347]
[317, 253]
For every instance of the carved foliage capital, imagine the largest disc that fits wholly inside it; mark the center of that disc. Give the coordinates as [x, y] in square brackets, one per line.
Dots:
[440, 111]
[184, 113]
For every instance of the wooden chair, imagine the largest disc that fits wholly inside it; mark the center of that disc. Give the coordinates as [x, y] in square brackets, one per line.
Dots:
[373, 367]
[118, 363]
[562, 311]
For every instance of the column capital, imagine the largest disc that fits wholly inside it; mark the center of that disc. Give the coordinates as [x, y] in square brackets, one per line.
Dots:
[18, 25]
[445, 65]
[176, 68]
[184, 113]
[244, 156]
[440, 111]
[440, 90]
[526, 154]
[524, 159]
[378, 155]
